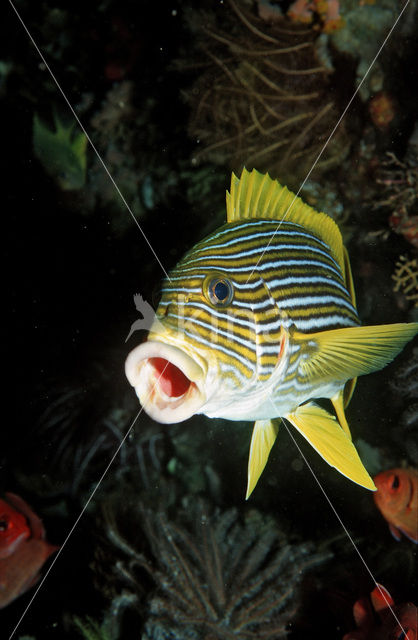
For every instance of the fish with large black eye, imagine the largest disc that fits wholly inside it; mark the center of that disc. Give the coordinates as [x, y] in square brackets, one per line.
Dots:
[257, 321]
[220, 291]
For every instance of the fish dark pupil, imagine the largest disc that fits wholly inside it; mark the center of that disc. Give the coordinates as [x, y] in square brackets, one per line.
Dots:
[221, 291]
[395, 483]
[4, 524]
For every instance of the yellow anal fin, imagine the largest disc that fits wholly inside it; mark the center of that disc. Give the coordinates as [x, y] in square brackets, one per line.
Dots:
[262, 440]
[323, 432]
[338, 403]
[342, 354]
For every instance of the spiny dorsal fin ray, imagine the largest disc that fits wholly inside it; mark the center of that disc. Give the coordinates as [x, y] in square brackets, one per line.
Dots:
[256, 195]
[262, 440]
[324, 433]
[342, 354]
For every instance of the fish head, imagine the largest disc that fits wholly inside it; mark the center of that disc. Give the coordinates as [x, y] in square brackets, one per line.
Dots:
[14, 529]
[204, 352]
[393, 490]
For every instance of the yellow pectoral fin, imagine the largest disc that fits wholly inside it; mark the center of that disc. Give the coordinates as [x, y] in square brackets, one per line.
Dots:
[342, 354]
[262, 440]
[324, 433]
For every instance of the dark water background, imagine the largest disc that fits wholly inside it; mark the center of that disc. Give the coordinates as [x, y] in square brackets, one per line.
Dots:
[72, 262]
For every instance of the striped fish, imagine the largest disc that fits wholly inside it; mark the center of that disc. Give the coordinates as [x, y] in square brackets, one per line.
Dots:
[259, 319]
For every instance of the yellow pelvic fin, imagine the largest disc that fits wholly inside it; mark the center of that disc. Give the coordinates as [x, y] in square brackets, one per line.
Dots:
[262, 440]
[256, 195]
[323, 432]
[348, 391]
[338, 402]
[342, 354]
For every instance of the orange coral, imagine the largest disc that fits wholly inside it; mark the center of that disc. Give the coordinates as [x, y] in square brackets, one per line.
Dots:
[328, 12]
[382, 110]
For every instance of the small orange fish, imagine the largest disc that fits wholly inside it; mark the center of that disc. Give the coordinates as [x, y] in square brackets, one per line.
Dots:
[397, 500]
[375, 618]
[23, 548]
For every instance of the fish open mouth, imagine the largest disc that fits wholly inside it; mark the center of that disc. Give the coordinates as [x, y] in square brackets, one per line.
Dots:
[167, 381]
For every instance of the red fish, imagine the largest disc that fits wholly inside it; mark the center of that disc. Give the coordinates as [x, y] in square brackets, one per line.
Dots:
[14, 528]
[375, 618]
[397, 499]
[23, 548]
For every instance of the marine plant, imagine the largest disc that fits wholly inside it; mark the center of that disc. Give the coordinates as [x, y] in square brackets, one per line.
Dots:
[92, 630]
[215, 576]
[262, 97]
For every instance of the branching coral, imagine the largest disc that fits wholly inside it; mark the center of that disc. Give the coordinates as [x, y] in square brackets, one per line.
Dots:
[262, 98]
[406, 278]
[217, 578]
[400, 182]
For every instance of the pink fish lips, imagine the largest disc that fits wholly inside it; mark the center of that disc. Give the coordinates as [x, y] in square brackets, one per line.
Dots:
[168, 382]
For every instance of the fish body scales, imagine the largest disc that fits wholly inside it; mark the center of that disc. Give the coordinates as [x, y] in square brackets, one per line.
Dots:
[282, 277]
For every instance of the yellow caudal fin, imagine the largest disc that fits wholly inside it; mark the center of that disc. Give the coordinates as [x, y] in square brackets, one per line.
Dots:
[262, 440]
[324, 433]
[343, 354]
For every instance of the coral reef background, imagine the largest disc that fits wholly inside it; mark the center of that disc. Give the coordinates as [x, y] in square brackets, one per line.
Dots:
[174, 97]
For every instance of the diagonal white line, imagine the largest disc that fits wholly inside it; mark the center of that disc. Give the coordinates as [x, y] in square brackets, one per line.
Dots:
[339, 520]
[159, 262]
[332, 133]
[88, 137]
[60, 550]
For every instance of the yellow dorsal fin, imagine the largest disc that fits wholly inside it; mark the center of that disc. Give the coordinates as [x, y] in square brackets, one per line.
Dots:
[256, 195]
[350, 385]
[342, 354]
[348, 277]
[324, 433]
[262, 440]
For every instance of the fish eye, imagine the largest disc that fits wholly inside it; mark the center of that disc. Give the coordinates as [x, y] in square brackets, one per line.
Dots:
[395, 482]
[220, 291]
[4, 523]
